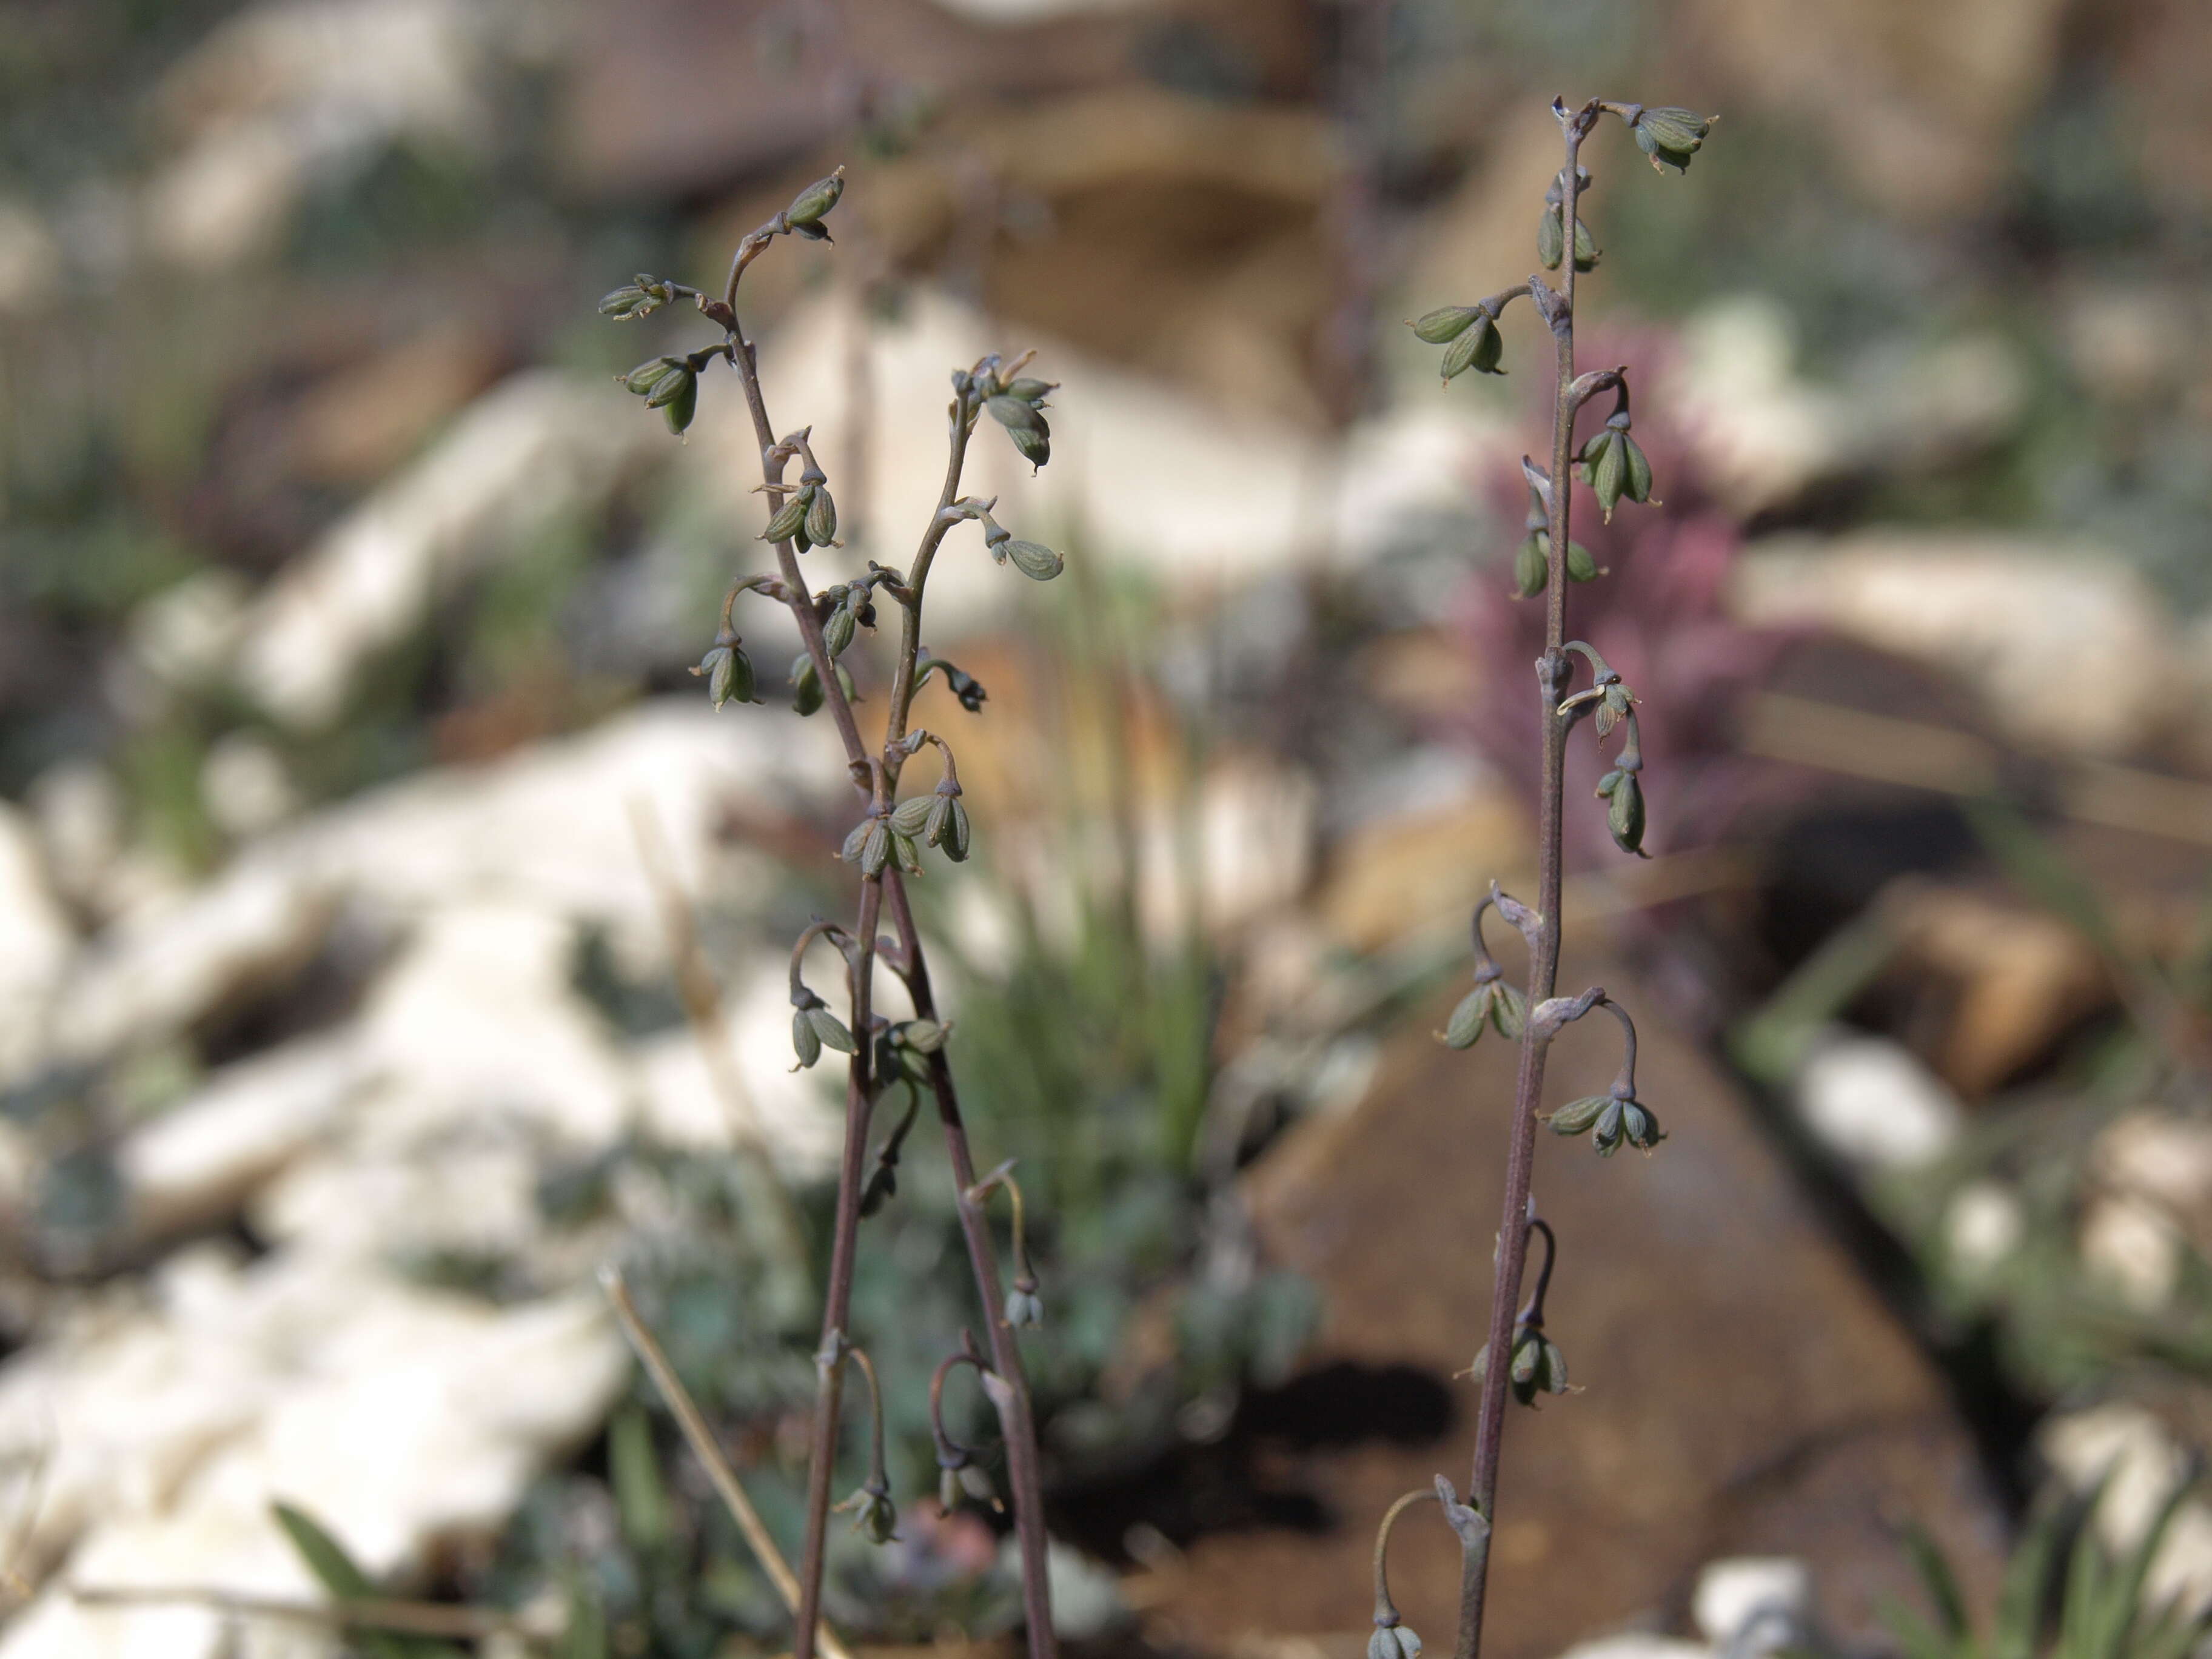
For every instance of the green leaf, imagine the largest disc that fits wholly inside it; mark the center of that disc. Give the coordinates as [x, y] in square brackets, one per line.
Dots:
[1941, 1582]
[635, 1472]
[339, 1574]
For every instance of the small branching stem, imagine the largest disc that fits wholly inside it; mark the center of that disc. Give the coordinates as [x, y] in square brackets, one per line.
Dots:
[877, 779]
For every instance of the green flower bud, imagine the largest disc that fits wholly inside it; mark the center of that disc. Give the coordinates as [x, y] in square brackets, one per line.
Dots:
[672, 383]
[1038, 563]
[1478, 348]
[1023, 1307]
[1670, 136]
[1011, 412]
[1640, 1125]
[1609, 473]
[821, 520]
[829, 1028]
[924, 1036]
[1035, 442]
[1638, 485]
[907, 855]
[954, 840]
[1467, 1020]
[1509, 1011]
[874, 1515]
[1577, 1116]
[837, 632]
[1606, 1137]
[1581, 567]
[806, 693]
[1530, 569]
[1394, 1642]
[817, 199]
[787, 520]
[1033, 391]
[1443, 324]
[639, 298]
[909, 816]
[729, 674]
[678, 410]
[1625, 811]
[875, 849]
[1551, 1375]
[804, 1041]
[648, 374]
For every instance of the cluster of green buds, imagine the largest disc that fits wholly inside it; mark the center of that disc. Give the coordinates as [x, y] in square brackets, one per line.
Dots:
[671, 384]
[639, 298]
[1016, 402]
[1492, 1003]
[875, 1518]
[1617, 1117]
[1396, 1641]
[1532, 560]
[806, 693]
[1470, 335]
[1023, 1307]
[808, 517]
[1669, 136]
[1539, 1367]
[959, 1473]
[1609, 701]
[727, 671]
[937, 820]
[814, 1028]
[1033, 559]
[874, 1515]
[808, 208]
[964, 686]
[1551, 240]
[1612, 463]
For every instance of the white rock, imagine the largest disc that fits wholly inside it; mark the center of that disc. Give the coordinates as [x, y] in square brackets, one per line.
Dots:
[155, 974]
[78, 810]
[1982, 1226]
[537, 445]
[2131, 1243]
[185, 635]
[2130, 1451]
[1870, 1101]
[200, 1159]
[2066, 646]
[1628, 1644]
[245, 788]
[36, 942]
[1765, 1600]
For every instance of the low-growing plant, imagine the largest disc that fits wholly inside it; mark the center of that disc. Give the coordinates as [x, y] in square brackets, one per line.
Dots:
[1548, 564]
[885, 847]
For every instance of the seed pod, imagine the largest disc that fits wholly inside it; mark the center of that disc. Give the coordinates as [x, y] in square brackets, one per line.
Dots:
[1445, 323]
[1581, 567]
[1593, 451]
[1625, 815]
[1530, 570]
[954, 842]
[1032, 392]
[1609, 473]
[875, 849]
[821, 521]
[789, 518]
[909, 816]
[1038, 563]
[1528, 1350]
[837, 632]
[1549, 245]
[817, 199]
[1670, 136]
[1394, 1642]
[1011, 411]
[907, 855]
[1577, 1115]
[1478, 348]
[1551, 1367]
[647, 375]
[805, 1043]
[1467, 1020]
[672, 385]
[850, 852]
[806, 685]
[1509, 1011]
[832, 1030]
[1640, 1126]
[1035, 442]
[729, 675]
[1605, 1137]
[1639, 488]
[633, 300]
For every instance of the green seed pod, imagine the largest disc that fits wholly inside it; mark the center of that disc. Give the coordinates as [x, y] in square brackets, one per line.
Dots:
[803, 1041]
[1575, 1117]
[1671, 136]
[1035, 443]
[1593, 451]
[1032, 392]
[787, 519]
[830, 1029]
[1466, 1022]
[729, 675]
[909, 856]
[1625, 815]
[1605, 1139]
[837, 632]
[1038, 563]
[1011, 411]
[806, 685]
[817, 199]
[649, 374]
[1509, 1011]
[673, 384]
[1528, 1350]
[1609, 475]
[909, 816]
[639, 298]
[1394, 1642]
[850, 852]
[1530, 570]
[1586, 248]
[1639, 487]
[1549, 244]
[954, 842]
[1478, 348]
[821, 521]
[937, 820]
[1640, 1126]
[1581, 567]
[875, 849]
[1445, 323]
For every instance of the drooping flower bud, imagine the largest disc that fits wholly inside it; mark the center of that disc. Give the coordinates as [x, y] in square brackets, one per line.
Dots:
[1670, 136]
[1394, 1642]
[789, 518]
[815, 200]
[1478, 348]
[821, 521]
[1037, 562]
[1443, 324]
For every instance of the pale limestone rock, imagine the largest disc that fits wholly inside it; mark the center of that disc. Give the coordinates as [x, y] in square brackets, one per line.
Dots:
[200, 1159]
[2066, 647]
[160, 971]
[538, 445]
[1869, 1100]
[36, 943]
[1763, 1603]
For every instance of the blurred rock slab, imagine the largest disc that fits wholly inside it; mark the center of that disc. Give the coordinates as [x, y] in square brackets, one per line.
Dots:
[1742, 1390]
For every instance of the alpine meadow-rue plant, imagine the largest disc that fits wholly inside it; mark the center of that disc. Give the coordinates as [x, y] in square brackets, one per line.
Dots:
[1548, 562]
[888, 845]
